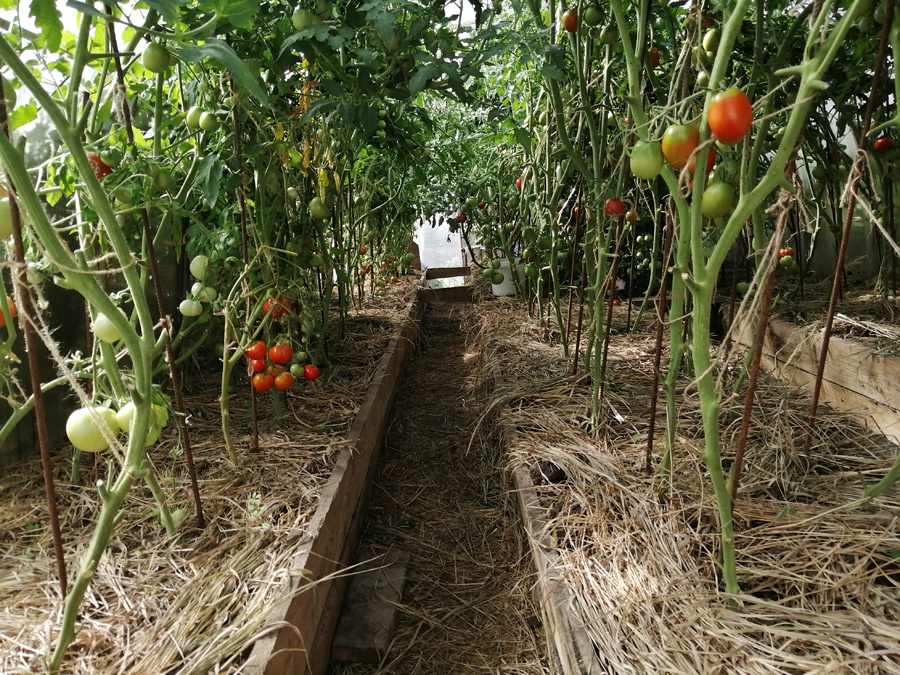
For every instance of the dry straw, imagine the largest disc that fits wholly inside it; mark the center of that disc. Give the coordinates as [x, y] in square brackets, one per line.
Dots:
[640, 557]
[194, 603]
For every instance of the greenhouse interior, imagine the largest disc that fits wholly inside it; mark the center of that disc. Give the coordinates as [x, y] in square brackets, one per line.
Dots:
[405, 337]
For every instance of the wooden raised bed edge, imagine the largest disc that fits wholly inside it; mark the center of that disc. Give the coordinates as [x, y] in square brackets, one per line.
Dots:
[856, 380]
[568, 642]
[302, 627]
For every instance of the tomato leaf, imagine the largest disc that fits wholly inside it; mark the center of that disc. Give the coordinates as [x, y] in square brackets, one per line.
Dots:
[49, 19]
[420, 78]
[226, 56]
[384, 24]
[320, 107]
[22, 115]
[168, 9]
[238, 12]
[209, 177]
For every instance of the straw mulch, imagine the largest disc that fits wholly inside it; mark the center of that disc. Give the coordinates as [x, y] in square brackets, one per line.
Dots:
[193, 603]
[467, 607]
[820, 578]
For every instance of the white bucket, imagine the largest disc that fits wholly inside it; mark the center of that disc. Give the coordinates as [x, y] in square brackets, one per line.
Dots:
[507, 287]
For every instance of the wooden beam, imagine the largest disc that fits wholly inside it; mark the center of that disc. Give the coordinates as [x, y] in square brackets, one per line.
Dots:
[856, 380]
[447, 272]
[299, 623]
[454, 294]
[567, 639]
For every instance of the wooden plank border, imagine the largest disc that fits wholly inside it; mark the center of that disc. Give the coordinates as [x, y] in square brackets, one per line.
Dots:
[300, 629]
[856, 379]
[568, 642]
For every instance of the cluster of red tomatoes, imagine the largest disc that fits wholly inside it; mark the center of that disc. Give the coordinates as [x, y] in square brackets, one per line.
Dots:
[277, 307]
[785, 251]
[277, 376]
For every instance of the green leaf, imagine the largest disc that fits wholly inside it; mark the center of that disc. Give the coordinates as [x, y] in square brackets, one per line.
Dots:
[320, 107]
[168, 9]
[209, 178]
[22, 115]
[420, 78]
[228, 59]
[384, 24]
[239, 13]
[348, 112]
[49, 19]
[552, 73]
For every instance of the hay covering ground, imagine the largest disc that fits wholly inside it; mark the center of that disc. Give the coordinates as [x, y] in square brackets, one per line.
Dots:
[821, 579]
[194, 603]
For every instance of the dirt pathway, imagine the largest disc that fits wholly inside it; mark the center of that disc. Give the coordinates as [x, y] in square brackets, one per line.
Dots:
[467, 607]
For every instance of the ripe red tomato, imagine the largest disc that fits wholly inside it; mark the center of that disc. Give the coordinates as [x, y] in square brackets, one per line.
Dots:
[884, 144]
[277, 307]
[678, 142]
[570, 20]
[310, 372]
[280, 354]
[258, 365]
[101, 168]
[730, 115]
[263, 381]
[654, 57]
[614, 207]
[256, 351]
[461, 218]
[710, 161]
[518, 183]
[616, 303]
[363, 250]
[481, 205]
[283, 380]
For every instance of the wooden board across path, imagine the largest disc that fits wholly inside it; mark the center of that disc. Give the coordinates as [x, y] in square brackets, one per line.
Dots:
[856, 380]
[300, 630]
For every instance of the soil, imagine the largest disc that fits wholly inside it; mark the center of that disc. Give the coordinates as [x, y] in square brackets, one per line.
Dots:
[467, 605]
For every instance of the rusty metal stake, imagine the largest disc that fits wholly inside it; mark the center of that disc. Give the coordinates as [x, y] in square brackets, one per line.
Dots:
[158, 292]
[661, 300]
[26, 311]
[855, 175]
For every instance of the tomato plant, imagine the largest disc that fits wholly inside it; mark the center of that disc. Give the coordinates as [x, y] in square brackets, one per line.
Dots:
[156, 58]
[730, 115]
[646, 160]
[280, 354]
[256, 351]
[614, 207]
[278, 307]
[263, 381]
[678, 142]
[283, 380]
[883, 144]
[718, 199]
[101, 168]
[12, 311]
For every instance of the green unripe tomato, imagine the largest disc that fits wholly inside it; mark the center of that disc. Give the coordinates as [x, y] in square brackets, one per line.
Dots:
[209, 122]
[156, 58]
[203, 87]
[303, 18]
[163, 180]
[192, 119]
